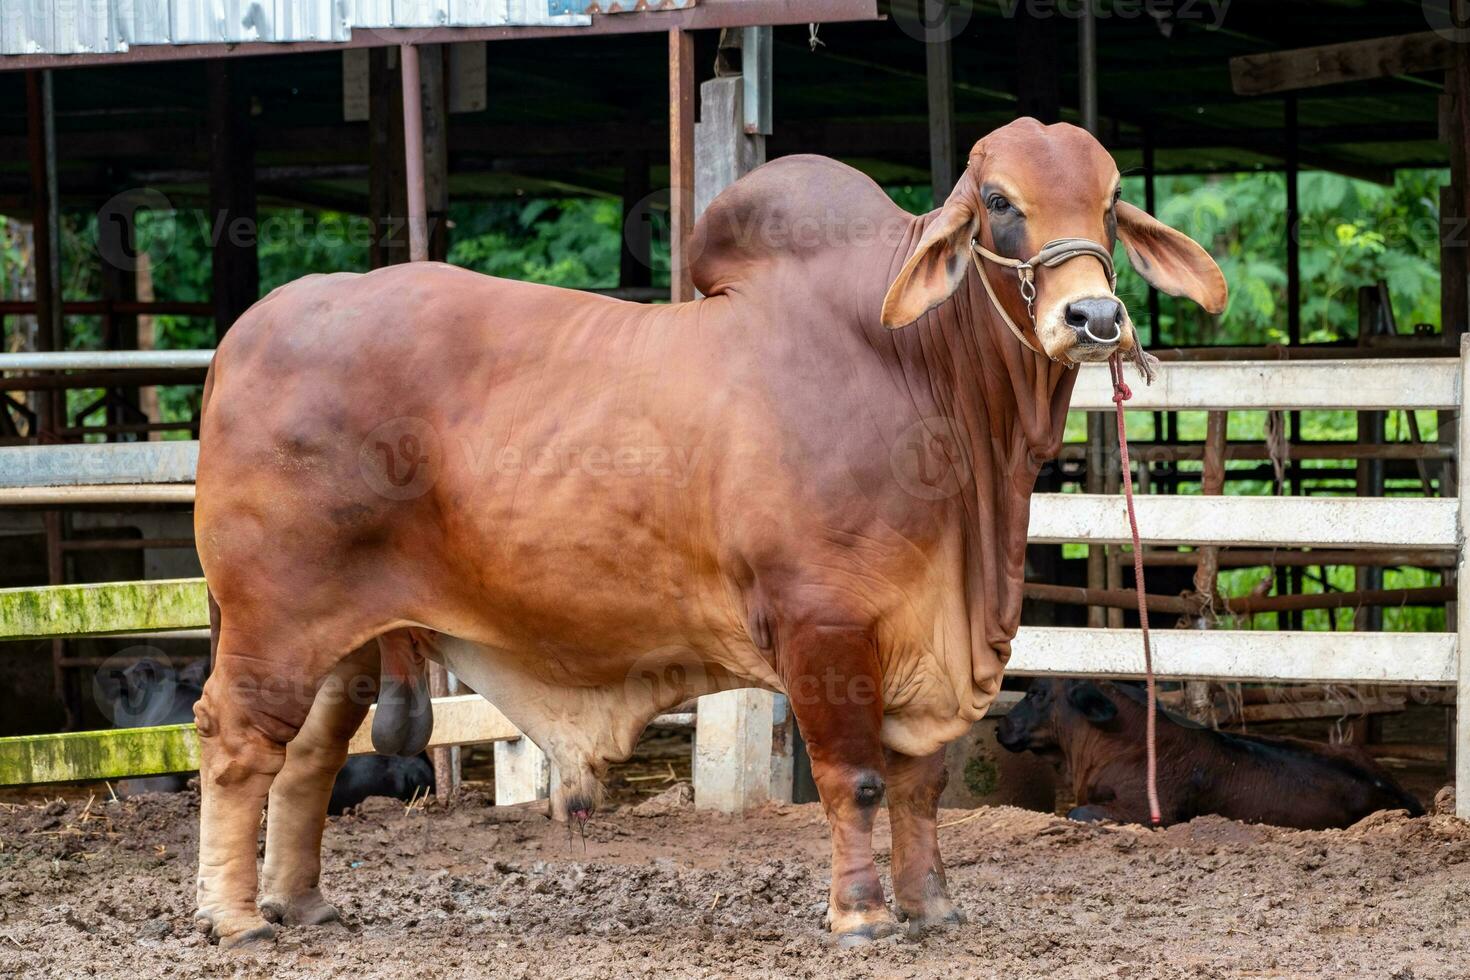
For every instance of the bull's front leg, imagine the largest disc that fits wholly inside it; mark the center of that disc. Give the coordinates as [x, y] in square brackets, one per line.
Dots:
[832, 678]
[919, 887]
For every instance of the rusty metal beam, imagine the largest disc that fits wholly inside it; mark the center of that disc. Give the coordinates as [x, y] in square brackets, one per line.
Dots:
[681, 163]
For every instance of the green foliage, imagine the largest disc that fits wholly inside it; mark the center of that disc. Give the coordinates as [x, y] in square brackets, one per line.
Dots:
[1351, 233]
[574, 242]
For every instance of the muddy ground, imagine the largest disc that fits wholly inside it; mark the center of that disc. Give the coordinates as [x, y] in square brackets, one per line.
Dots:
[656, 889]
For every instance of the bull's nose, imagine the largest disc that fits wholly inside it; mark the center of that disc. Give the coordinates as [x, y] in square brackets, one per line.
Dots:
[1097, 319]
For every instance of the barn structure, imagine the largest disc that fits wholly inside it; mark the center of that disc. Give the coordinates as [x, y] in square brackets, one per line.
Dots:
[391, 113]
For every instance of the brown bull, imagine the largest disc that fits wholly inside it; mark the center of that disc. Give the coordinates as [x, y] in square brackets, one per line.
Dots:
[602, 509]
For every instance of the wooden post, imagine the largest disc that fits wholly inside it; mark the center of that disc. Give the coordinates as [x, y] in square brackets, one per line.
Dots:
[1368, 480]
[634, 263]
[1098, 465]
[120, 330]
[387, 186]
[1087, 66]
[732, 751]
[522, 772]
[1462, 603]
[681, 163]
[413, 153]
[234, 262]
[1038, 74]
[733, 745]
[1206, 573]
[435, 120]
[939, 69]
[50, 335]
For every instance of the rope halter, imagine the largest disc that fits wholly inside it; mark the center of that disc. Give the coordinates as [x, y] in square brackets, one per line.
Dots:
[1053, 253]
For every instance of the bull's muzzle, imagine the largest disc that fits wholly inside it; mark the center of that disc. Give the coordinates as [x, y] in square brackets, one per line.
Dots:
[1097, 320]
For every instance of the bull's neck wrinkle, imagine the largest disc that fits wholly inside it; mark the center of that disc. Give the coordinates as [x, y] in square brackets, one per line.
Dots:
[976, 371]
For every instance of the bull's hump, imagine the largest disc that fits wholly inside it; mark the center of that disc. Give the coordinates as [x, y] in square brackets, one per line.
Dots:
[788, 208]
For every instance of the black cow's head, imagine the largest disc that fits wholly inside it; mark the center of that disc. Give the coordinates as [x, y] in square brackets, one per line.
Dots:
[1049, 708]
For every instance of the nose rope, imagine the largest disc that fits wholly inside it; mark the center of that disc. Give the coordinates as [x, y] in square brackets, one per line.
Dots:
[1121, 394]
[1052, 254]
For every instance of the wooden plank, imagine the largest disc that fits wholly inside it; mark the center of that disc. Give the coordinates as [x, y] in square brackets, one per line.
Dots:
[1241, 655]
[103, 608]
[1333, 64]
[121, 752]
[98, 464]
[113, 754]
[461, 719]
[1290, 710]
[1361, 385]
[1294, 522]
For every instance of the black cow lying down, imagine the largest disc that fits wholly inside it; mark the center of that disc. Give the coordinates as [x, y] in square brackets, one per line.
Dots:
[1095, 731]
[150, 693]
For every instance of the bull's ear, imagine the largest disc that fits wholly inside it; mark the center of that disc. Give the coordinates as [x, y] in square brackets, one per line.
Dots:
[1171, 261]
[935, 270]
[1094, 705]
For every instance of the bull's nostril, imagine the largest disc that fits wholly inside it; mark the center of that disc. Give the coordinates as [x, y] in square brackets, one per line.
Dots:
[1097, 319]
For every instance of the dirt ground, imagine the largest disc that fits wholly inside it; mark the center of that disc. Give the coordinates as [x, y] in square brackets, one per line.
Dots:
[104, 889]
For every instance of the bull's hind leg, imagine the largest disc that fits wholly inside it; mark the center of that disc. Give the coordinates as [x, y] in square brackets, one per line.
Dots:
[256, 700]
[914, 785]
[290, 884]
[831, 676]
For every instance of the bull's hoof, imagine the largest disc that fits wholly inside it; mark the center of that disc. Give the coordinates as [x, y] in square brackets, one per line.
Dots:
[234, 931]
[309, 909]
[859, 928]
[937, 916]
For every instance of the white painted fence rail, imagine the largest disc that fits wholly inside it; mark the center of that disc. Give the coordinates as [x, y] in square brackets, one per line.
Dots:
[733, 753]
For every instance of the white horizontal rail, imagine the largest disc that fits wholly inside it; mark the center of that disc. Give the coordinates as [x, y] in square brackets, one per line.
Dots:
[1386, 383]
[98, 464]
[1239, 655]
[464, 719]
[1294, 522]
[133, 493]
[104, 360]
[157, 473]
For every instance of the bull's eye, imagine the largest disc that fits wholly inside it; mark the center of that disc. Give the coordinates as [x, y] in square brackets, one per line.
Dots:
[999, 204]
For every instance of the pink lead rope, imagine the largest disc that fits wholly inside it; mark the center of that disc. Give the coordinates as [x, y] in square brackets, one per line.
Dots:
[1121, 394]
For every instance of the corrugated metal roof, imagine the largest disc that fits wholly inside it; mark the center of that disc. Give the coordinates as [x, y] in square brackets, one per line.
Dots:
[103, 26]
